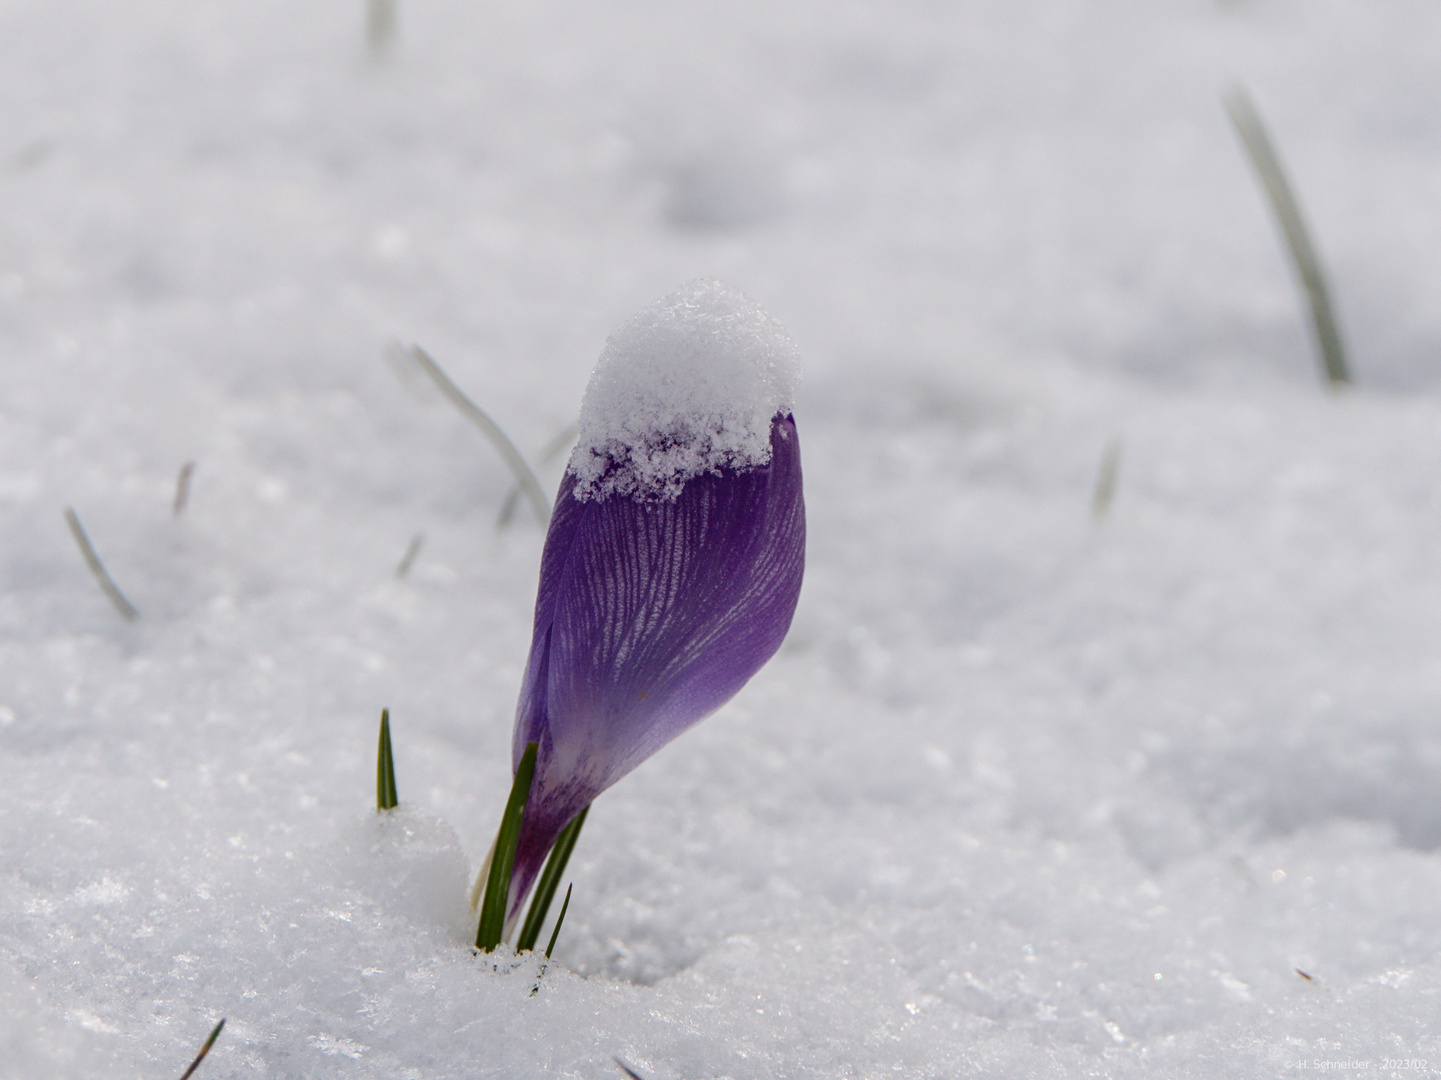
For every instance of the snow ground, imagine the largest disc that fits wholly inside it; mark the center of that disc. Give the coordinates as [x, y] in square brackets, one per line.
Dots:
[1025, 794]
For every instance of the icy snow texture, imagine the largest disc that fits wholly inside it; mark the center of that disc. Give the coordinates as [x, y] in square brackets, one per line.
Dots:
[688, 386]
[1011, 764]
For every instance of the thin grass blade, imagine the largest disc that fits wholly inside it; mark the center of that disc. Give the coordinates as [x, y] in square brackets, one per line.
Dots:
[214, 1034]
[380, 24]
[549, 881]
[507, 508]
[552, 450]
[497, 886]
[499, 439]
[97, 568]
[627, 1069]
[408, 559]
[385, 793]
[559, 922]
[182, 488]
[1267, 164]
[1106, 476]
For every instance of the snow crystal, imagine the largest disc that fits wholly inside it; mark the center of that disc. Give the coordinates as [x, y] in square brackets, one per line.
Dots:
[686, 387]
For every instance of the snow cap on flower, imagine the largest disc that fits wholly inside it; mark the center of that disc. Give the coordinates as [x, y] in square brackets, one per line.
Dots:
[673, 561]
[686, 387]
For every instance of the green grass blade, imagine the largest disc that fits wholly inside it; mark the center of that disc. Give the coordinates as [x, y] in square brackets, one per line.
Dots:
[214, 1034]
[385, 793]
[550, 881]
[182, 488]
[497, 886]
[552, 450]
[380, 26]
[559, 922]
[1110, 469]
[1264, 160]
[97, 568]
[507, 508]
[499, 439]
[408, 559]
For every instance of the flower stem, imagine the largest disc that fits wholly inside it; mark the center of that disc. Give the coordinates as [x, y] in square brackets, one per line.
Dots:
[549, 882]
[497, 886]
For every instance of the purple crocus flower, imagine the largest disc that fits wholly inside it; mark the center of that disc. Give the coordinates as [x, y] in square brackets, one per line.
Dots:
[674, 556]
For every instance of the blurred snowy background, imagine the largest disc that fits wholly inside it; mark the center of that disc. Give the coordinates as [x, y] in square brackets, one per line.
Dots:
[1027, 792]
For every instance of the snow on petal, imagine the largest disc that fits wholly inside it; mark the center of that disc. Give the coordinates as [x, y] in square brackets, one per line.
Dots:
[686, 387]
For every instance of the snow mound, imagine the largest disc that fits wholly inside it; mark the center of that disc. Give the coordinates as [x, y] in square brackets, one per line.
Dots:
[688, 386]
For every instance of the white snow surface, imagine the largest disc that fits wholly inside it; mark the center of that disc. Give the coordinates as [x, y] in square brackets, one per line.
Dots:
[1028, 792]
[686, 387]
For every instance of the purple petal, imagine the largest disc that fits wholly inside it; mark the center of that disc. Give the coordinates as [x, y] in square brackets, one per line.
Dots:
[649, 617]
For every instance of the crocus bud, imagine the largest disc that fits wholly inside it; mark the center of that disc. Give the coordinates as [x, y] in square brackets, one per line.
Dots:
[674, 557]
